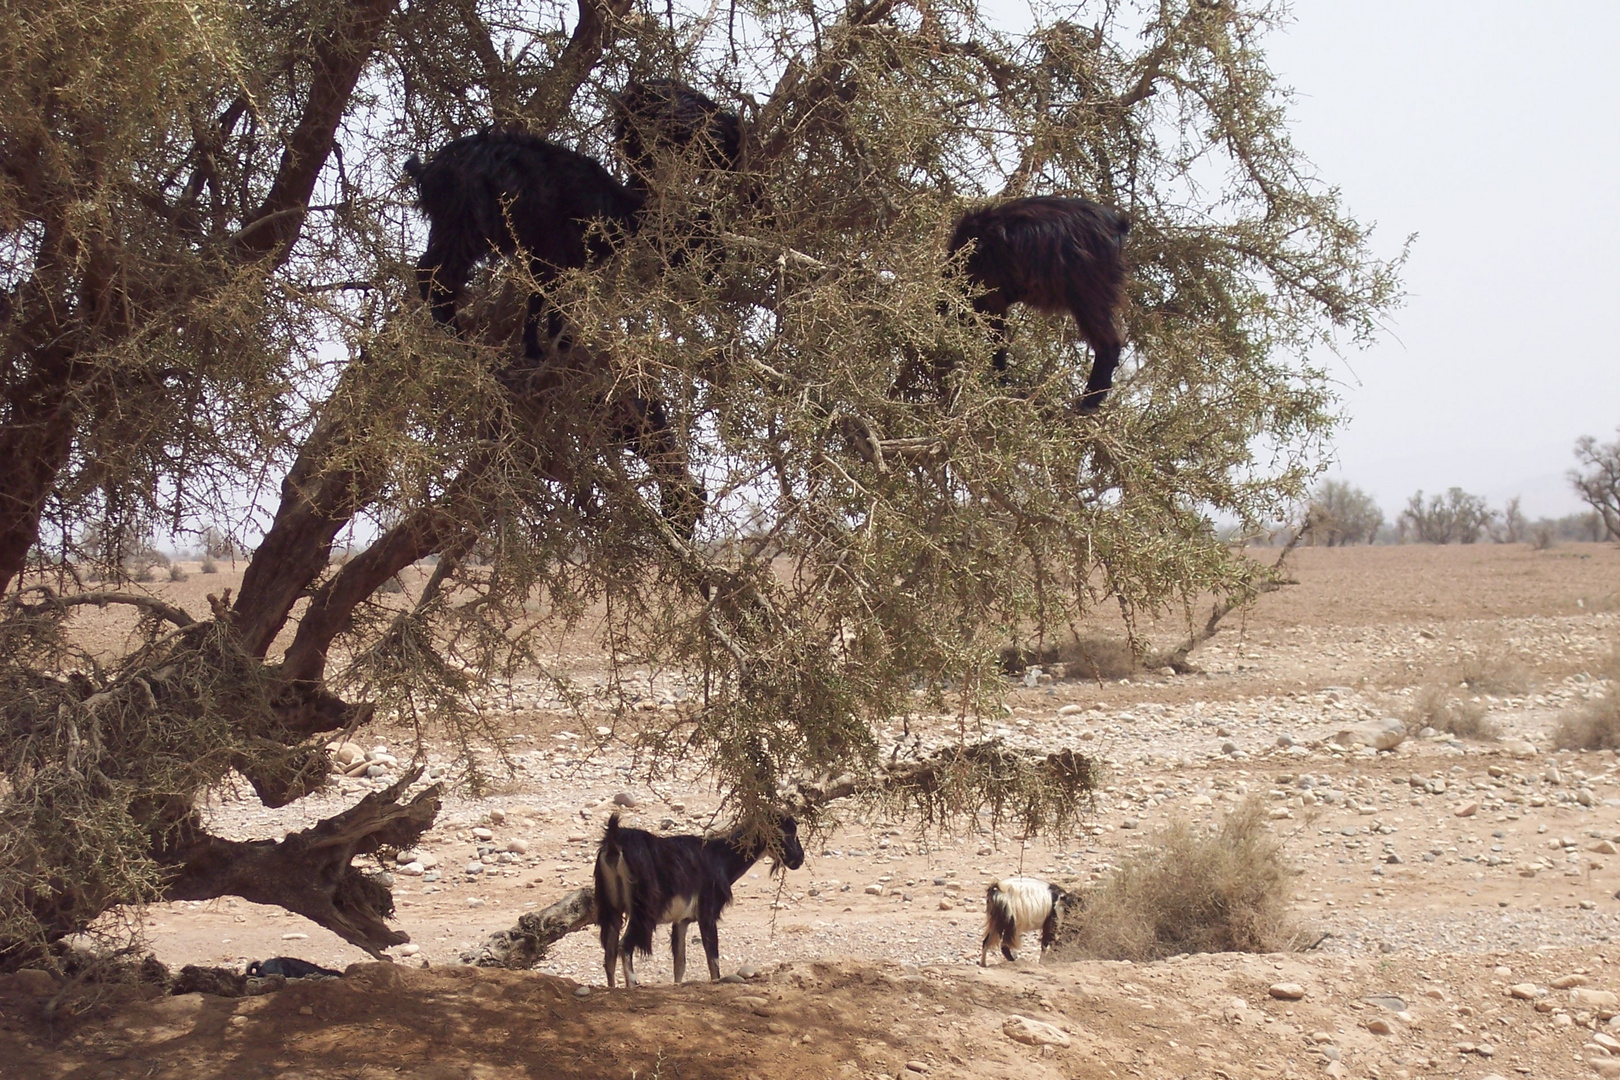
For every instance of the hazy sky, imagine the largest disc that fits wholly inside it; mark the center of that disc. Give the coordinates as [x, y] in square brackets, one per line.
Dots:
[1492, 130]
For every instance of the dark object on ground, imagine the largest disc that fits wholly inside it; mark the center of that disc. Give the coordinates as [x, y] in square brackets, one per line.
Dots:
[289, 966]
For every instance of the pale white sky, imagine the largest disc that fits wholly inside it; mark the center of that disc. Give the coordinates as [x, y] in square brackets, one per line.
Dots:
[1492, 130]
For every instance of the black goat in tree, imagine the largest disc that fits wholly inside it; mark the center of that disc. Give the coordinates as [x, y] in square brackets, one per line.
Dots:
[653, 880]
[1055, 255]
[660, 115]
[496, 193]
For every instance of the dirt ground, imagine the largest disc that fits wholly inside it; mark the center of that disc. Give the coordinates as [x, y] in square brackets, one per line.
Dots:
[1443, 871]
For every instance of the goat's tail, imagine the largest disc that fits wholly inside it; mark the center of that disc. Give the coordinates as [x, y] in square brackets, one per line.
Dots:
[610, 837]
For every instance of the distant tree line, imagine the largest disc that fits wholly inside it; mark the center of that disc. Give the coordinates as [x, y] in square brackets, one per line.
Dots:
[1339, 513]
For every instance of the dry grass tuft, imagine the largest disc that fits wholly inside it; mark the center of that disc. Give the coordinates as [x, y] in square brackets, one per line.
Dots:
[1440, 707]
[1189, 892]
[1091, 656]
[1594, 725]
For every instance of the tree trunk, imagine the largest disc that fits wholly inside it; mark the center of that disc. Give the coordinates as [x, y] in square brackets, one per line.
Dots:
[309, 872]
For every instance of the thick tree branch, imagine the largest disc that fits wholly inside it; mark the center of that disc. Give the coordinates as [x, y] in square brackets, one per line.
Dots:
[309, 871]
[595, 31]
[149, 604]
[340, 56]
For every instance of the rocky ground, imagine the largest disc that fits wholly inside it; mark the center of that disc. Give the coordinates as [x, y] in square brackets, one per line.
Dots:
[1449, 876]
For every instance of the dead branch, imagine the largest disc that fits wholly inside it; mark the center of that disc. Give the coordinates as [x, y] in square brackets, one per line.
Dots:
[151, 605]
[526, 944]
[1176, 658]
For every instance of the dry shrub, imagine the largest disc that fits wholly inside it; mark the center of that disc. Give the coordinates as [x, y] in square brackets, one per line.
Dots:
[177, 572]
[1594, 725]
[1091, 656]
[1493, 673]
[208, 565]
[1439, 707]
[1192, 891]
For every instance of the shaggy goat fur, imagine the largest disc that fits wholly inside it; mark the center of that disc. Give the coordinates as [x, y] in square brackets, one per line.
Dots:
[657, 115]
[1054, 255]
[1016, 905]
[498, 192]
[674, 879]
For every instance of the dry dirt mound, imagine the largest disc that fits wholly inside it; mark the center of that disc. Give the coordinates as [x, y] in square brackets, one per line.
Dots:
[1212, 1017]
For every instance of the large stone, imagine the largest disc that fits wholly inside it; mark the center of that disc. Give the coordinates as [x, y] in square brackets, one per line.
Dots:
[347, 754]
[1518, 749]
[1032, 1032]
[1385, 734]
[1286, 991]
[1585, 998]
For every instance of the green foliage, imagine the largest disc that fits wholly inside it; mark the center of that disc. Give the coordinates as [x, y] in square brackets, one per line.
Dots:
[183, 329]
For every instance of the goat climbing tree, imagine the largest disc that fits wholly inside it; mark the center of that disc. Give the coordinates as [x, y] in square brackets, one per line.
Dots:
[208, 317]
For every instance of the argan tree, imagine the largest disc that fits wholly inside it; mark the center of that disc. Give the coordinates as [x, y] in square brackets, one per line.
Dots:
[1453, 518]
[1340, 513]
[1597, 481]
[206, 290]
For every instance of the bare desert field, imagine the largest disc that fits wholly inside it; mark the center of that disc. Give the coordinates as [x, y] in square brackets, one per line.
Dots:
[1461, 892]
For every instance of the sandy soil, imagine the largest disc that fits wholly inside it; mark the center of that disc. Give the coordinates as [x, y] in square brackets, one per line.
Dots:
[1444, 872]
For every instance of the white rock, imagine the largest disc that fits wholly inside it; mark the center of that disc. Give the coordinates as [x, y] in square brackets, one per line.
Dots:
[482, 834]
[518, 847]
[1524, 991]
[1286, 991]
[413, 869]
[1032, 1032]
[1593, 999]
[1384, 734]
[409, 949]
[1518, 749]
[498, 816]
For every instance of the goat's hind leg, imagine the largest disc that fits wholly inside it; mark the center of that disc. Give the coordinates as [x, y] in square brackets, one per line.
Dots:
[678, 935]
[610, 945]
[1101, 330]
[709, 930]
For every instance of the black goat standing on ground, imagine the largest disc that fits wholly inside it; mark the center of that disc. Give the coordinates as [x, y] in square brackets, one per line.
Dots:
[674, 879]
[1055, 255]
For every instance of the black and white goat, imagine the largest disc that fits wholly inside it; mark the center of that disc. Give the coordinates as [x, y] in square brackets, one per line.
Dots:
[659, 115]
[1055, 255]
[653, 880]
[1017, 905]
[496, 193]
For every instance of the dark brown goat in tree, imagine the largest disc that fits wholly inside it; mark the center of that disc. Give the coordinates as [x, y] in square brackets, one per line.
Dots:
[660, 115]
[496, 193]
[1053, 254]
